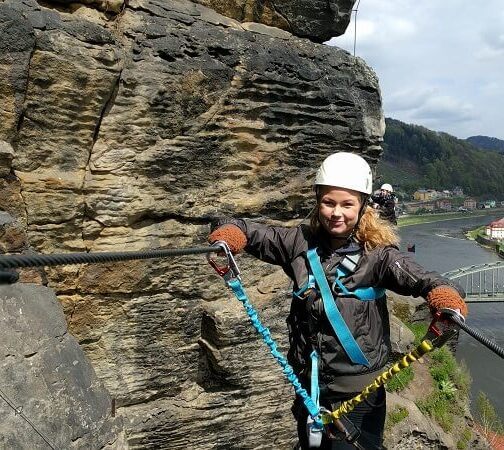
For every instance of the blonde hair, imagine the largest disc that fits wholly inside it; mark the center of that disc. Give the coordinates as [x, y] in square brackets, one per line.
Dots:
[371, 232]
[374, 232]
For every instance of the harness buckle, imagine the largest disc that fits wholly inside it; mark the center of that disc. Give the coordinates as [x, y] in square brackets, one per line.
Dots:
[314, 432]
[230, 270]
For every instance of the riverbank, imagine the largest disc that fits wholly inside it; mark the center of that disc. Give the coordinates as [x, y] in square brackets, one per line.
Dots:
[479, 235]
[408, 220]
[442, 247]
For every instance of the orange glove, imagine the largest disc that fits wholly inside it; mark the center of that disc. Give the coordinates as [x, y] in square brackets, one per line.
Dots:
[446, 297]
[232, 235]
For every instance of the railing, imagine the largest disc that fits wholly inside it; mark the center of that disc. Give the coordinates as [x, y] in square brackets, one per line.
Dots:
[482, 282]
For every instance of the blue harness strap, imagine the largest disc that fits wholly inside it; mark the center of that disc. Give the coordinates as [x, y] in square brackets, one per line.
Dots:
[364, 294]
[314, 428]
[338, 324]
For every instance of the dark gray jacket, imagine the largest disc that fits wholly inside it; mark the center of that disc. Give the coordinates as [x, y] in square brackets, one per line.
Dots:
[309, 329]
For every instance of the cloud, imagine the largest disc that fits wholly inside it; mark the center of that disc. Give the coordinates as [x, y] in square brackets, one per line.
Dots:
[493, 42]
[409, 99]
[427, 106]
[444, 109]
[375, 32]
[439, 63]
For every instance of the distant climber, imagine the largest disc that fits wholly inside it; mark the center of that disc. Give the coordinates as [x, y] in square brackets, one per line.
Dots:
[385, 202]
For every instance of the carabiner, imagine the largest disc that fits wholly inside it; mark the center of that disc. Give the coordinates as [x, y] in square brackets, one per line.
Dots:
[230, 270]
[440, 337]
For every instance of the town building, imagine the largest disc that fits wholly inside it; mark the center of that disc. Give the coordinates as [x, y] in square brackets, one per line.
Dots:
[458, 192]
[413, 207]
[495, 230]
[444, 204]
[423, 195]
[470, 203]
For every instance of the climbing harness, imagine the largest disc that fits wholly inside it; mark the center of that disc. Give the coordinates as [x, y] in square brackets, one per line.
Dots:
[346, 266]
[320, 419]
[231, 277]
[345, 337]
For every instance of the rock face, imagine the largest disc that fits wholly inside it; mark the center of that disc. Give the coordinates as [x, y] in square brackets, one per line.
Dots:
[51, 396]
[318, 20]
[416, 431]
[132, 131]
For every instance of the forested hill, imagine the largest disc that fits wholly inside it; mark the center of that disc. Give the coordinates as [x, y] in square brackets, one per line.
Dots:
[487, 142]
[416, 157]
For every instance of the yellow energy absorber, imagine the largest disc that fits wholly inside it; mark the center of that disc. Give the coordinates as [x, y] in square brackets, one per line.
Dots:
[347, 406]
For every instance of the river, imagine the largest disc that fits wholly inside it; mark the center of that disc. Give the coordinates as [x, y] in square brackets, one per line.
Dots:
[441, 246]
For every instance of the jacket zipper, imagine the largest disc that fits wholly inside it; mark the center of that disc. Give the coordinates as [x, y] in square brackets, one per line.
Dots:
[406, 272]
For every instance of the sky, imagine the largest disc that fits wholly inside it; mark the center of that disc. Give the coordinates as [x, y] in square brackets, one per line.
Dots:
[440, 62]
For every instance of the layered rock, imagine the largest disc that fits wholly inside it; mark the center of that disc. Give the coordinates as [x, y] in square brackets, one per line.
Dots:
[51, 397]
[318, 20]
[133, 131]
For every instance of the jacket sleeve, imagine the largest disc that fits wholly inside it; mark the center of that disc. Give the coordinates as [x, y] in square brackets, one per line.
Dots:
[401, 274]
[274, 245]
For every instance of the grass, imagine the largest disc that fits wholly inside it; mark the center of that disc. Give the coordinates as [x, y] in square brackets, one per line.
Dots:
[451, 384]
[447, 403]
[451, 389]
[430, 218]
[419, 329]
[473, 233]
[487, 415]
[400, 380]
[394, 417]
[465, 439]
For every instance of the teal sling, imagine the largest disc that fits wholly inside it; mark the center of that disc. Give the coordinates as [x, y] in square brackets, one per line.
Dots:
[338, 324]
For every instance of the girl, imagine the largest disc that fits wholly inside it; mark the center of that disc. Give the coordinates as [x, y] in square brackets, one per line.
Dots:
[340, 265]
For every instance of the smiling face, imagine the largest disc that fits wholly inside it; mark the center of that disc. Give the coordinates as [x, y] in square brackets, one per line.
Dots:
[338, 210]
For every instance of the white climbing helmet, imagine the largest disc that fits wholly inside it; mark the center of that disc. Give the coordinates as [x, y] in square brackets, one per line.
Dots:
[345, 170]
[387, 187]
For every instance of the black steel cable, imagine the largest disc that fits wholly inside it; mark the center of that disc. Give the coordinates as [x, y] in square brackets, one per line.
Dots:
[356, 10]
[38, 260]
[491, 345]
[18, 411]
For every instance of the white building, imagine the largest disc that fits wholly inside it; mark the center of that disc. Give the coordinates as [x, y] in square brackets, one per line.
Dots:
[495, 230]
